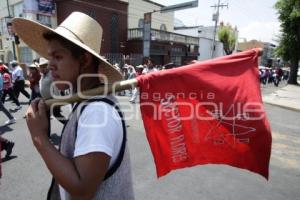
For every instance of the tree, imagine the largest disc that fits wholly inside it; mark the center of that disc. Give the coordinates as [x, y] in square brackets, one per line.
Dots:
[289, 41]
[228, 37]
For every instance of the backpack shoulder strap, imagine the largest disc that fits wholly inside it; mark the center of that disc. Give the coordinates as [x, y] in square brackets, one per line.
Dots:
[52, 192]
[119, 159]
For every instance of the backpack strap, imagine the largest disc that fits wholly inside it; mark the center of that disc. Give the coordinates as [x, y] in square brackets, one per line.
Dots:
[119, 160]
[54, 187]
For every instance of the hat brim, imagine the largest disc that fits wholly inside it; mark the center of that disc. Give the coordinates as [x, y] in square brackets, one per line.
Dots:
[31, 33]
[32, 66]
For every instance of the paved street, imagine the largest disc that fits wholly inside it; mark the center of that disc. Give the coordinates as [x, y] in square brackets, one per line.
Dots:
[26, 177]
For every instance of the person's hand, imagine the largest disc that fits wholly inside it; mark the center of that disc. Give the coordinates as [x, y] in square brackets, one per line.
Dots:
[37, 122]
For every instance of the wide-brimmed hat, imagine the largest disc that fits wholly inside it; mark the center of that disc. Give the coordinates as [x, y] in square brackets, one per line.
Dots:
[78, 28]
[33, 65]
[42, 61]
[140, 67]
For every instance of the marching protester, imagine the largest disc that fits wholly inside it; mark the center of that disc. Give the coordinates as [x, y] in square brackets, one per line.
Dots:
[45, 85]
[34, 78]
[149, 67]
[135, 92]
[93, 160]
[11, 119]
[18, 80]
[8, 88]
[2, 65]
[7, 146]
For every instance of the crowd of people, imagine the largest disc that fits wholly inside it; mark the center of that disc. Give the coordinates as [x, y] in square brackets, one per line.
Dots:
[12, 83]
[275, 76]
[130, 72]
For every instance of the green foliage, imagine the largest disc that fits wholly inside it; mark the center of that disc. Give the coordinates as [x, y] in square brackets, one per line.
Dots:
[227, 36]
[289, 41]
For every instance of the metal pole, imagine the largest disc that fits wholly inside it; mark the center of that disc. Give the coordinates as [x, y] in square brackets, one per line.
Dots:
[8, 8]
[215, 30]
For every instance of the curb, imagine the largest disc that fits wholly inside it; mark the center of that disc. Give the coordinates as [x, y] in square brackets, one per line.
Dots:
[283, 106]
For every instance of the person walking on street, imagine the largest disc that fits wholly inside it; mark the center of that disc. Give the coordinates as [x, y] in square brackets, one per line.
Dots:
[6, 145]
[135, 91]
[46, 90]
[8, 88]
[11, 119]
[34, 78]
[18, 80]
[2, 65]
[93, 160]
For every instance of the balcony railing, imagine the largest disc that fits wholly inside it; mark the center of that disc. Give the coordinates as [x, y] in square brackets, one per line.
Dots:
[158, 35]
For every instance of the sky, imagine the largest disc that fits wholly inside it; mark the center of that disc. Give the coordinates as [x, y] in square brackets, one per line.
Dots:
[255, 19]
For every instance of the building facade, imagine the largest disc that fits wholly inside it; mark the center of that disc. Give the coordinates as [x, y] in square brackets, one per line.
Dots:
[122, 22]
[166, 46]
[205, 35]
[267, 58]
[30, 9]
[112, 15]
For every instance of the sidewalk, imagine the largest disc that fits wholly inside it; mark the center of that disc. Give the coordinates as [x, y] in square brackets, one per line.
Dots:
[287, 97]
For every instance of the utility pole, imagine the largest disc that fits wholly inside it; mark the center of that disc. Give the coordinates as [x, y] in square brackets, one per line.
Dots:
[216, 19]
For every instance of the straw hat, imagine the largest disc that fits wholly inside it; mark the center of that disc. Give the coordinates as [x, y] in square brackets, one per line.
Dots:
[140, 67]
[33, 65]
[42, 61]
[77, 28]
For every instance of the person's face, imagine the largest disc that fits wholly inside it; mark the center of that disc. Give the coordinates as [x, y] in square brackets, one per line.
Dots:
[32, 70]
[150, 64]
[63, 66]
[44, 69]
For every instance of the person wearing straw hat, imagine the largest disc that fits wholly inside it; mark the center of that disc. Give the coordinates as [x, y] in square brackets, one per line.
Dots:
[93, 159]
[46, 90]
[34, 79]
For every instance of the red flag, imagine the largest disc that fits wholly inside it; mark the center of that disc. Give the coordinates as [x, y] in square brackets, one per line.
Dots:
[207, 113]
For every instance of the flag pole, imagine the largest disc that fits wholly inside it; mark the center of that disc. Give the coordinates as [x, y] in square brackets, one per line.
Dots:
[102, 90]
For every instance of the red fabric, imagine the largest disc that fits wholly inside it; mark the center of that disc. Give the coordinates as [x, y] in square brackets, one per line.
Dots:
[207, 113]
[34, 78]
[7, 81]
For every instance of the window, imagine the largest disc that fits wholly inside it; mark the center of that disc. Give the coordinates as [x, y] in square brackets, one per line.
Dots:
[163, 27]
[114, 33]
[18, 10]
[141, 23]
[176, 60]
[25, 55]
[44, 19]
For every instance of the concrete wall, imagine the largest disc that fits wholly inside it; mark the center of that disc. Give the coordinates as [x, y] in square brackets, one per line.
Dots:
[136, 11]
[102, 11]
[205, 43]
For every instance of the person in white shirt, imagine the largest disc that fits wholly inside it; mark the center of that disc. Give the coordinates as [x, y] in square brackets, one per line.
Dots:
[149, 67]
[18, 80]
[93, 160]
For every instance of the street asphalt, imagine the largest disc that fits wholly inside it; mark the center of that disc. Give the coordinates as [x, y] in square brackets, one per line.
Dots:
[25, 176]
